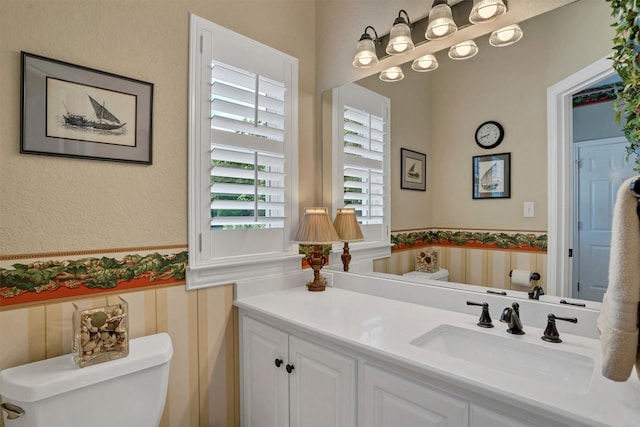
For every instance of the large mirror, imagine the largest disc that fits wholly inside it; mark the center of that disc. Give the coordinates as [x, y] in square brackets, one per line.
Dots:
[437, 114]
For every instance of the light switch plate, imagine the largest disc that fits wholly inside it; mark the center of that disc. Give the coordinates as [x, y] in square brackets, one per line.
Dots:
[529, 210]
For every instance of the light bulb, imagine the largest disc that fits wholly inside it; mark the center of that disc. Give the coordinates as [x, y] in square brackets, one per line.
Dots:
[488, 11]
[440, 27]
[463, 49]
[506, 34]
[365, 60]
[425, 63]
[400, 47]
[392, 74]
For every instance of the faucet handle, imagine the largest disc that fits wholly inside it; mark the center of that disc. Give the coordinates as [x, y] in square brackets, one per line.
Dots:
[551, 332]
[485, 318]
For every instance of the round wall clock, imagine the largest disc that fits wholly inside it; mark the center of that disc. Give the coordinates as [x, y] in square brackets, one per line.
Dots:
[489, 134]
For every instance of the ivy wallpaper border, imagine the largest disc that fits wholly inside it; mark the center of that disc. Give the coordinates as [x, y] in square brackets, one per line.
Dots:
[496, 240]
[39, 278]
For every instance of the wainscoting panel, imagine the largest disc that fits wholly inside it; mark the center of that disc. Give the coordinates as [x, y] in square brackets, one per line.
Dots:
[203, 385]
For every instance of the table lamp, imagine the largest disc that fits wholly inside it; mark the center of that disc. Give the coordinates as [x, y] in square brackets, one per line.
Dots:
[346, 224]
[316, 229]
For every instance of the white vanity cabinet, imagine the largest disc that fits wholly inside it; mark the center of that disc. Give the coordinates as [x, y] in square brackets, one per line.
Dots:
[289, 381]
[390, 400]
[354, 363]
[387, 399]
[484, 417]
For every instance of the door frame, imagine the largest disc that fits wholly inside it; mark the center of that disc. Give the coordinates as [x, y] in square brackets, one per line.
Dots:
[560, 171]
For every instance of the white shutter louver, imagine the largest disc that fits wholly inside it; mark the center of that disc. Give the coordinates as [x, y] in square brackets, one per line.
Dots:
[364, 183]
[247, 150]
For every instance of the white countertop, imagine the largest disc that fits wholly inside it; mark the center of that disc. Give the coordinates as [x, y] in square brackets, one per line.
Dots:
[385, 327]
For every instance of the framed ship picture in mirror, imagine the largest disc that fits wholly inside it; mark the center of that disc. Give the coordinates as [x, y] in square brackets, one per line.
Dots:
[492, 176]
[413, 167]
[73, 111]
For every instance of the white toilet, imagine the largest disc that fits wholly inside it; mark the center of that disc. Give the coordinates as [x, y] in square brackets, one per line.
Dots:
[442, 274]
[127, 392]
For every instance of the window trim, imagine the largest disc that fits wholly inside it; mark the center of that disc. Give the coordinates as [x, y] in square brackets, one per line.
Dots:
[209, 271]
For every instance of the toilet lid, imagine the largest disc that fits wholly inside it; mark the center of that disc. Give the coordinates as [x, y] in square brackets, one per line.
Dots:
[40, 380]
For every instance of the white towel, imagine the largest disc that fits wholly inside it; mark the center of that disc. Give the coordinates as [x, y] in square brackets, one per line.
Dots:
[618, 319]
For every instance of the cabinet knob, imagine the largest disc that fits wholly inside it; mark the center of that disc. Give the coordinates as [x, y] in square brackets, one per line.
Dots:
[289, 368]
[278, 363]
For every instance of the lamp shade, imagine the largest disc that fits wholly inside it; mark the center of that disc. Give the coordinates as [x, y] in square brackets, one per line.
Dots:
[365, 52]
[400, 37]
[486, 11]
[346, 224]
[392, 74]
[425, 63]
[441, 23]
[505, 36]
[316, 228]
[464, 50]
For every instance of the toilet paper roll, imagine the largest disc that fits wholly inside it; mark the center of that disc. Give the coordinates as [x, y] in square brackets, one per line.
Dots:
[520, 277]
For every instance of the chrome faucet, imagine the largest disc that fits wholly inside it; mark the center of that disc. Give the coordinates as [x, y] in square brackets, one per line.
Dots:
[511, 316]
[535, 292]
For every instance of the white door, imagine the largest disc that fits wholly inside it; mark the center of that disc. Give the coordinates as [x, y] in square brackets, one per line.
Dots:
[600, 170]
[322, 386]
[265, 382]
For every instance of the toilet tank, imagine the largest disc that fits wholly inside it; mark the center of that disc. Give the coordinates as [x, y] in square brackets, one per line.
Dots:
[125, 392]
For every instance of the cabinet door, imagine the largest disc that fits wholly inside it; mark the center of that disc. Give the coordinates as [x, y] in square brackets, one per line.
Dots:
[483, 417]
[389, 400]
[265, 388]
[322, 386]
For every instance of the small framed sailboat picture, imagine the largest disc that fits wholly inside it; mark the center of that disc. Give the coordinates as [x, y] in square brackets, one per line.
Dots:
[413, 166]
[492, 176]
[73, 111]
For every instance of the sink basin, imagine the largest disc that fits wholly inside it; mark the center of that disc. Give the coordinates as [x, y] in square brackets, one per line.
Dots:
[544, 366]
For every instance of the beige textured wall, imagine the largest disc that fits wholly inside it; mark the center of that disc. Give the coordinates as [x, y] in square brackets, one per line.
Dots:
[554, 46]
[56, 204]
[411, 127]
[437, 113]
[50, 204]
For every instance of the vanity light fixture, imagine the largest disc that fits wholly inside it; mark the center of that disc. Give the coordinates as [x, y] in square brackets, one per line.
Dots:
[441, 23]
[425, 63]
[465, 50]
[366, 50]
[346, 224]
[316, 229]
[400, 36]
[392, 74]
[506, 36]
[486, 11]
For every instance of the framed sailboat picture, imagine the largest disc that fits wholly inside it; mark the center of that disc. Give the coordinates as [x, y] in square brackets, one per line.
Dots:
[413, 167]
[73, 111]
[492, 176]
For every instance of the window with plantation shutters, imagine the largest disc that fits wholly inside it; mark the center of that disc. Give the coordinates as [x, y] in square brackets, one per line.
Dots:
[360, 163]
[242, 157]
[364, 172]
[247, 150]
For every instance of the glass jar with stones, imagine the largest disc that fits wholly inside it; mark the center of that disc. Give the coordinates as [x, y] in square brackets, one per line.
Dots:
[100, 333]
